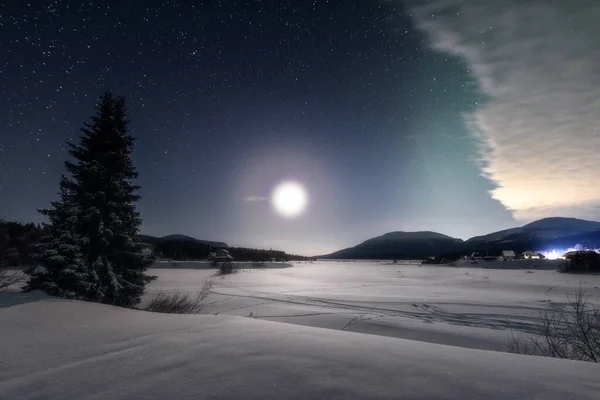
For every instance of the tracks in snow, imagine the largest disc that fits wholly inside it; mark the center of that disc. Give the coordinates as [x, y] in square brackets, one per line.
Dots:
[425, 312]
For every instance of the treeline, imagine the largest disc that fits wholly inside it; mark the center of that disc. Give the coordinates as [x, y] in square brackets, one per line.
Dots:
[245, 254]
[15, 241]
[178, 249]
[190, 249]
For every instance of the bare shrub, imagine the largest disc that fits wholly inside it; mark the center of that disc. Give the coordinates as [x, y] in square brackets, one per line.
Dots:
[225, 268]
[10, 277]
[571, 332]
[180, 303]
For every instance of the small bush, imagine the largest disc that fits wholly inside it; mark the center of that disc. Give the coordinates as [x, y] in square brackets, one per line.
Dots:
[179, 303]
[225, 268]
[571, 332]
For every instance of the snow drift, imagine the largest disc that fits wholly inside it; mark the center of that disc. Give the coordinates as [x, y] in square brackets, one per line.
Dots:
[63, 349]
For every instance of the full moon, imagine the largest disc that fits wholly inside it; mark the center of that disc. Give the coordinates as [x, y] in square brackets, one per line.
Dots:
[289, 199]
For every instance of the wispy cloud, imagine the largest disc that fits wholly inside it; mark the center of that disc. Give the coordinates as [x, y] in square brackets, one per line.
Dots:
[538, 62]
[256, 198]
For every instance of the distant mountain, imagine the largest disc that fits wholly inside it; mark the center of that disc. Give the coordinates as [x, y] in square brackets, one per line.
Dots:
[545, 234]
[180, 238]
[587, 240]
[544, 229]
[401, 245]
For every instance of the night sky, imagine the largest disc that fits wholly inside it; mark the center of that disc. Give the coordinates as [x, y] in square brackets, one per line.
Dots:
[358, 101]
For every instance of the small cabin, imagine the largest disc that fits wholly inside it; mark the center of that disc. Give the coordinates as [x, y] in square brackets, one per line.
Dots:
[508, 255]
[224, 254]
[221, 255]
[533, 255]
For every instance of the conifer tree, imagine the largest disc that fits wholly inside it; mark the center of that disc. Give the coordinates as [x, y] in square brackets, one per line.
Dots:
[60, 269]
[99, 201]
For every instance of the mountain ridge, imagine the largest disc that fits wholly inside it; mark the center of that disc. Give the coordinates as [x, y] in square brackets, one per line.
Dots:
[181, 238]
[546, 232]
[413, 245]
[546, 228]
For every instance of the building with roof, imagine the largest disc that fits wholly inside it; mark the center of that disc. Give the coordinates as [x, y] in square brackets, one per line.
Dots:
[508, 255]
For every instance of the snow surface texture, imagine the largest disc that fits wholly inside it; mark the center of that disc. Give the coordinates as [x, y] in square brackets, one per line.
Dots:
[467, 307]
[208, 265]
[61, 349]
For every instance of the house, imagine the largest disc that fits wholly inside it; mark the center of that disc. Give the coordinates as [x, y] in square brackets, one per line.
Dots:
[533, 255]
[508, 255]
[224, 255]
[221, 255]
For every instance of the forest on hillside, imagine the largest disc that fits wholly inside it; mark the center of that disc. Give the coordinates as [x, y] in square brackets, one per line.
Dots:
[181, 248]
[16, 239]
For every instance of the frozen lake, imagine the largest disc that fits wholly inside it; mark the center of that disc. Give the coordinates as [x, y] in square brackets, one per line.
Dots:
[467, 307]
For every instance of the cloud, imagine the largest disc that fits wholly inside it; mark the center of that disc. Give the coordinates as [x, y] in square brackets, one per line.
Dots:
[256, 198]
[538, 62]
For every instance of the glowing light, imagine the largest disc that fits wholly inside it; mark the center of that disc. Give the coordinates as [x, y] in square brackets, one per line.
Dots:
[556, 254]
[289, 199]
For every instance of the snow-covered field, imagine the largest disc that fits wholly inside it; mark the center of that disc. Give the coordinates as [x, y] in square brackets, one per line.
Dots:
[207, 265]
[60, 349]
[468, 307]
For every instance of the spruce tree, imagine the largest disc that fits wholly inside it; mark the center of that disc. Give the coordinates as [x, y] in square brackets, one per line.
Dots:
[60, 269]
[99, 199]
